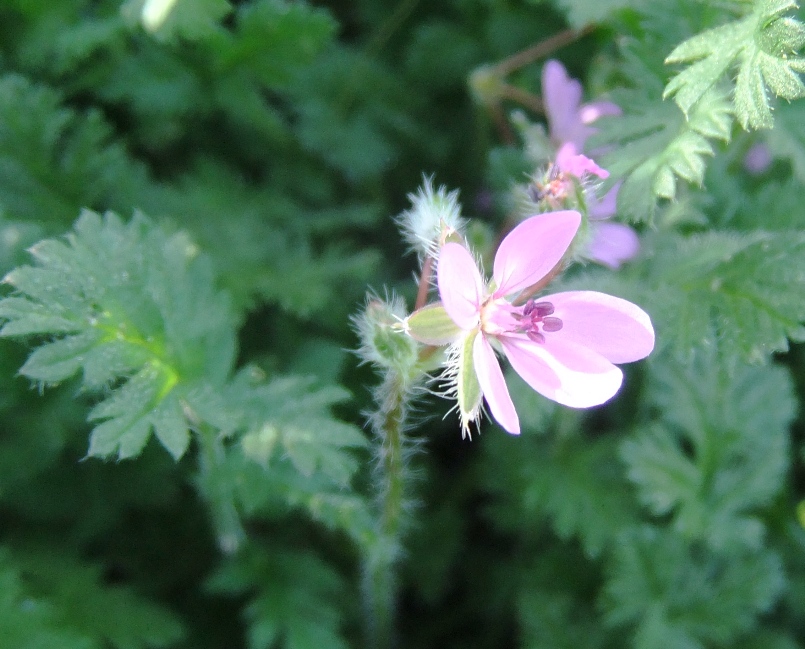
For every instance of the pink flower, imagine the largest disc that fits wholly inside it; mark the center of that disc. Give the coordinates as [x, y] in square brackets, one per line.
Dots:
[609, 244]
[563, 345]
[568, 119]
[570, 161]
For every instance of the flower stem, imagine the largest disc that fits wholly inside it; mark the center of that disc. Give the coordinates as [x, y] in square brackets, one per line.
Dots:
[390, 482]
[218, 489]
[541, 49]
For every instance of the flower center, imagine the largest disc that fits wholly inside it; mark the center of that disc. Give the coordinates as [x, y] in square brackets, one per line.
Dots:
[537, 320]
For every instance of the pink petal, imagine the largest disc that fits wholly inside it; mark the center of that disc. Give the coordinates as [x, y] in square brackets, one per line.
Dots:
[612, 244]
[616, 329]
[589, 113]
[607, 206]
[566, 372]
[561, 96]
[532, 249]
[460, 285]
[493, 385]
[576, 164]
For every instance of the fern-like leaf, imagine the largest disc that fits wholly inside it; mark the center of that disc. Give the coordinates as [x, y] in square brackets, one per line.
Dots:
[131, 308]
[763, 44]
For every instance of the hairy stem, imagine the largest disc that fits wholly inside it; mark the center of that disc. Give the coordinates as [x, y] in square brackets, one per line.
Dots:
[390, 482]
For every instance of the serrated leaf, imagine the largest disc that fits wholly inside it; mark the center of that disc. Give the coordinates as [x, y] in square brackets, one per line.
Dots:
[680, 597]
[653, 145]
[49, 599]
[295, 413]
[55, 160]
[170, 426]
[719, 451]
[61, 359]
[575, 482]
[761, 44]
[141, 312]
[297, 598]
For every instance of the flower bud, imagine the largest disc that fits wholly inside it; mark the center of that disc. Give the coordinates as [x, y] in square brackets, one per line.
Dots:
[433, 217]
[384, 340]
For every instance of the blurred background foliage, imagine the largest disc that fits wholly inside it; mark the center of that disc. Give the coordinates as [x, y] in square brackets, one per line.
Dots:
[270, 143]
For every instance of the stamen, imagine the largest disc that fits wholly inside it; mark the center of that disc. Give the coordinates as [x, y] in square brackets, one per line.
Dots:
[551, 324]
[534, 315]
[536, 336]
[540, 309]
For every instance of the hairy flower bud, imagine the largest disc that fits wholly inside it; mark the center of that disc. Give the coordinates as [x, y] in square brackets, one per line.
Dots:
[434, 216]
[384, 340]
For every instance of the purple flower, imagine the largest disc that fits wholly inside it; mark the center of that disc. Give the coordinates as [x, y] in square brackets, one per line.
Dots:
[563, 345]
[568, 119]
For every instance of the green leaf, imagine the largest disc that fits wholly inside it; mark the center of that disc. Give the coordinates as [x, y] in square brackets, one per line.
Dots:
[49, 599]
[141, 315]
[55, 160]
[653, 145]
[294, 413]
[170, 19]
[719, 451]
[575, 482]
[276, 38]
[298, 598]
[679, 596]
[762, 44]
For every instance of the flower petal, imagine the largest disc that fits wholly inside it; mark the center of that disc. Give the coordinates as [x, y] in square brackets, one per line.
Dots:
[532, 249]
[589, 113]
[561, 96]
[612, 244]
[616, 329]
[493, 385]
[607, 206]
[460, 285]
[577, 164]
[566, 372]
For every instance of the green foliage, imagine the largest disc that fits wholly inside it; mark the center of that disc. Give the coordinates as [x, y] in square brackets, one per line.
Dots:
[682, 597]
[293, 413]
[787, 139]
[558, 482]
[293, 598]
[719, 451]
[271, 142]
[762, 44]
[127, 302]
[581, 13]
[56, 160]
[654, 145]
[51, 600]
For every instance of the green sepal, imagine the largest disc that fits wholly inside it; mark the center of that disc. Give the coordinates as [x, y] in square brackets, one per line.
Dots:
[431, 325]
[468, 390]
